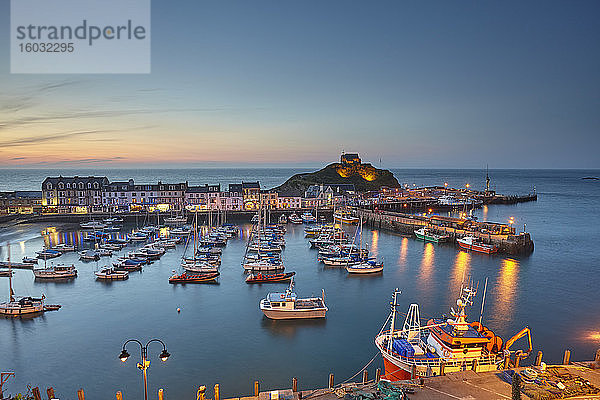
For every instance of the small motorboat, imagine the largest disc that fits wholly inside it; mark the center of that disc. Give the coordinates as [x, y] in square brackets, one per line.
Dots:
[264, 265]
[48, 253]
[89, 255]
[92, 225]
[30, 260]
[16, 265]
[111, 274]
[194, 278]
[104, 252]
[63, 247]
[269, 278]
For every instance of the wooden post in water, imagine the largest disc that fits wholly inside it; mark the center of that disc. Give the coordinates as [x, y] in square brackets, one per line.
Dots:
[50, 392]
[330, 381]
[256, 388]
[517, 360]
[567, 357]
[80, 394]
[294, 385]
[217, 394]
[442, 367]
[413, 372]
[474, 367]
[538, 359]
[119, 395]
[365, 376]
[506, 362]
[161, 394]
[377, 375]
[36, 393]
[597, 359]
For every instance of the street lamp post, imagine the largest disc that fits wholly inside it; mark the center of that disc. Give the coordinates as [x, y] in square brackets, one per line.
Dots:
[143, 366]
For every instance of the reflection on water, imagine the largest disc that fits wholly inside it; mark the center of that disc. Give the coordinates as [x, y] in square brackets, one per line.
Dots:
[484, 211]
[289, 328]
[506, 288]
[374, 242]
[427, 262]
[462, 266]
[403, 252]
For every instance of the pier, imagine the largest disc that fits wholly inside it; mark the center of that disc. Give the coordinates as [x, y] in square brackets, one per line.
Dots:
[503, 236]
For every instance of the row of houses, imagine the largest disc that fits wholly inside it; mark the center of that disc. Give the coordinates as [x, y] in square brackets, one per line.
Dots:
[96, 194]
[21, 202]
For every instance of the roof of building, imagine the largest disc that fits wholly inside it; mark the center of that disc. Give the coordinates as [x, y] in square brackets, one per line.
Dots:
[204, 189]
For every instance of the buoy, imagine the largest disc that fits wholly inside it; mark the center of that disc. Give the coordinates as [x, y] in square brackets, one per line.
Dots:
[178, 309]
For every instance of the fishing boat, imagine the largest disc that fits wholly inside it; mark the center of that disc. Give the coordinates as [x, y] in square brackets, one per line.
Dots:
[287, 305]
[60, 271]
[6, 272]
[269, 278]
[344, 217]
[16, 307]
[474, 244]
[429, 236]
[449, 343]
[47, 253]
[295, 219]
[89, 255]
[366, 267]
[193, 278]
[111, 274]
[29, 260]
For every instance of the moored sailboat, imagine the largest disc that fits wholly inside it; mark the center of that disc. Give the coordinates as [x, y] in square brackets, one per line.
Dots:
[16, 307]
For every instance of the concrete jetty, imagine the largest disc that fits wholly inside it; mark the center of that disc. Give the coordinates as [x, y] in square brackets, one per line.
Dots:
[501, 235]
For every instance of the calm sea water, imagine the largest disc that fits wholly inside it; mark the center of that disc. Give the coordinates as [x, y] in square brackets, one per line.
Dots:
[220, 336]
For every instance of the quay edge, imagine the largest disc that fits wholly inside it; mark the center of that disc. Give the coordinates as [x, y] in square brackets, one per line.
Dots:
[521, 244]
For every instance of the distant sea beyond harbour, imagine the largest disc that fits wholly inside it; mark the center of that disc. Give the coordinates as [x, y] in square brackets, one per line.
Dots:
[506, 181]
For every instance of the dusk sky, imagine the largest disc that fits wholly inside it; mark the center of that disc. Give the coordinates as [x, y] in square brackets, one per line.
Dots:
[437, 84]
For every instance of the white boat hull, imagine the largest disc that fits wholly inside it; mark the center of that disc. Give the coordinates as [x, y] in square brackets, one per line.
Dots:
[294, 314]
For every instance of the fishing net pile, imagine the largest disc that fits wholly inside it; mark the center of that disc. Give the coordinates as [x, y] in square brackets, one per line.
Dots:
[553, 383]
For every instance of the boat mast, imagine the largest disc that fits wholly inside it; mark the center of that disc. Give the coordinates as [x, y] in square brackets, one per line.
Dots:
[393, 304]
[483, 300]
[10, 289]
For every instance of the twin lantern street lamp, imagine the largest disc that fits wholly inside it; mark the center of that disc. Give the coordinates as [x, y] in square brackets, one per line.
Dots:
[143, 366]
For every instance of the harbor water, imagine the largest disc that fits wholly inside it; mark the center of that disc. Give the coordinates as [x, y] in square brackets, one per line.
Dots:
[220, 335]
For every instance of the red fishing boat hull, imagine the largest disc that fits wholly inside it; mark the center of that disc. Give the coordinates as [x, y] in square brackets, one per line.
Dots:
[478, 248]
[394, 372]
